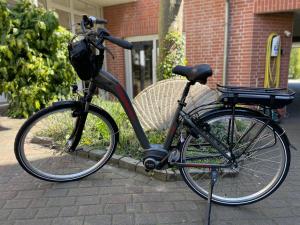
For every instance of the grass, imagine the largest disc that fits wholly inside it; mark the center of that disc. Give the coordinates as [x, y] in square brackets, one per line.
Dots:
[96, 132]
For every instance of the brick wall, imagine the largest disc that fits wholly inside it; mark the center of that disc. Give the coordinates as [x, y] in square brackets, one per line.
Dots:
[271, 6]
[204, 27]
[263, 26]
[127, 20]
[240, 43]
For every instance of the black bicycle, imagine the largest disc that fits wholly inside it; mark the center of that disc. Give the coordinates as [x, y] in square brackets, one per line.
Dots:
[240, 152]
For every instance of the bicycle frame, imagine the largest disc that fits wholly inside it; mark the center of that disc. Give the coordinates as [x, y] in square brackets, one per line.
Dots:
[108, 82]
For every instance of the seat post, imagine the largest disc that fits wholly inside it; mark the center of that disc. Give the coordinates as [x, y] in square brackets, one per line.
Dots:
[174, 123]
[185, 93]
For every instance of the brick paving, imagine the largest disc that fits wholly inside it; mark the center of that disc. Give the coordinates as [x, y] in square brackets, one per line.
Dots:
[117, 196]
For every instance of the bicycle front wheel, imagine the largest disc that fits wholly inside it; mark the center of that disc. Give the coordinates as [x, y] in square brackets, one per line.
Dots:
[262, 158]
[40, 145]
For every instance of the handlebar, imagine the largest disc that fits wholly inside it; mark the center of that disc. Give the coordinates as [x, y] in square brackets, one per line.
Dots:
[119, 42]
[88, 22]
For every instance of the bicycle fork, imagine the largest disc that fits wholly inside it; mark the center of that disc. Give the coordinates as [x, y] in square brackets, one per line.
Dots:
[81, 114]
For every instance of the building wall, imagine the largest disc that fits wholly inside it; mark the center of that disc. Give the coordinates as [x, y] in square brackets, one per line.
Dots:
[240, 42]
[263, 26]
[251, 22]
[204, 23]
[271, 6]
[128, 20]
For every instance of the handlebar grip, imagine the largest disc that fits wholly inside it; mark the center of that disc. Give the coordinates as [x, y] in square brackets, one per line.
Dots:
[119, 42]
[97, 20]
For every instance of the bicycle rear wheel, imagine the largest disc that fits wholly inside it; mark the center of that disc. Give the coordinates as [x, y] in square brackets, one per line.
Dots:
[40, 145]
[262, 155]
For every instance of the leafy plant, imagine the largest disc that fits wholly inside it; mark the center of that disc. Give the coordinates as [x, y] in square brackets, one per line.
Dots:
[128, 143]
[173, 52]
[294, 69]
[34, 66]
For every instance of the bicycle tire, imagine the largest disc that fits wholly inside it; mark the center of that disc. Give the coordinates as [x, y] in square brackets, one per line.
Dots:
[39, 147]
[223, 194]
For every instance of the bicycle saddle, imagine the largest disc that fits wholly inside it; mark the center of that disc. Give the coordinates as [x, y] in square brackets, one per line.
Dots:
[198, 73]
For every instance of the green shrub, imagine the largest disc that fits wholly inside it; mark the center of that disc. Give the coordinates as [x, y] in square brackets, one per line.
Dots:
[128, 144]
[294, 69]
[173, 52]
[60, 125]
[34, 66]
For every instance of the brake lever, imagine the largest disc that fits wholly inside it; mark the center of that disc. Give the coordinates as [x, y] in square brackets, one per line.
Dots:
[101, 47]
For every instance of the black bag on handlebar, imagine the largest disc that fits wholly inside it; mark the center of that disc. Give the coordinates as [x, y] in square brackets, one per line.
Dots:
[84, 61]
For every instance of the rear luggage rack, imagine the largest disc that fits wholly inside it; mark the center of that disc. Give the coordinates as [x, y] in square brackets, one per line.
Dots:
[272, 97]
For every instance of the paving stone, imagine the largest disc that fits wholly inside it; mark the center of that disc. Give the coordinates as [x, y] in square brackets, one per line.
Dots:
[2, 203]
[133, 189]
[62, 201]
[68, 221]
[38, 203]
[158, 207]
[287, 220]
[23, 213]
[90, 210]
[17, 204]
[147, 197]
[69, 211]
[116, 198]
[134, 207]
[171, 217]
[8, 195]
[96, 220]
[125, 219]
[87, 200]
[185, 205]
[48, 212]
[111, 190]
[56, 192]
[34, 222]
[145, 219]
[173, 196]
[7, 222]
[30, 194]
[83, 191]
[4, 213]
[114, 208]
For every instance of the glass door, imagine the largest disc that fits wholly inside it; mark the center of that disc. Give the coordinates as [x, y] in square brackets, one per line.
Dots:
[141, 64]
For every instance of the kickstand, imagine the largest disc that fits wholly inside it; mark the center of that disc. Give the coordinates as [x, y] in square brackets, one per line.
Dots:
[213, 179]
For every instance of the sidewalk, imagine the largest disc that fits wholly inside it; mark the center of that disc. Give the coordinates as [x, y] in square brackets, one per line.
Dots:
[116, 196]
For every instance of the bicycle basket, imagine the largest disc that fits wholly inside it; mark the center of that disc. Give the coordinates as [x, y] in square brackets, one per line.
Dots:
[84, 61]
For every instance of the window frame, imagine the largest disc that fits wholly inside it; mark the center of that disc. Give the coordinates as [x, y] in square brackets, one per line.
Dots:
[128, 61]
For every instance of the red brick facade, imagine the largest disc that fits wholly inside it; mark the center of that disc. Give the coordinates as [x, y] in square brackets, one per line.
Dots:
[127, 20]
[251, 22]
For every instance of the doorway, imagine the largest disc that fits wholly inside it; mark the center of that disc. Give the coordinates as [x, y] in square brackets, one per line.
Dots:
[141, 64]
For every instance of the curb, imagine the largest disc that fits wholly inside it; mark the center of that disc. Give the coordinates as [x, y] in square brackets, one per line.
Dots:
[138, 167]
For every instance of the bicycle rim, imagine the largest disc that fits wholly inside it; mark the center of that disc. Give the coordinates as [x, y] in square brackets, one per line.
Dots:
[42, 145]
[263, 161]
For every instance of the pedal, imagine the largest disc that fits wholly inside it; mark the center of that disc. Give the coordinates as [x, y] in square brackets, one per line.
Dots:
[174, 157]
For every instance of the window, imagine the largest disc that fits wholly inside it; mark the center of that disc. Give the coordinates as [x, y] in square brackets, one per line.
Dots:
[64, 19]
[141, 64]
[71, 11]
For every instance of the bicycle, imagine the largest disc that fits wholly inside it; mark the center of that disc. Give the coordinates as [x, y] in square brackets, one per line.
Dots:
[230, 154]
